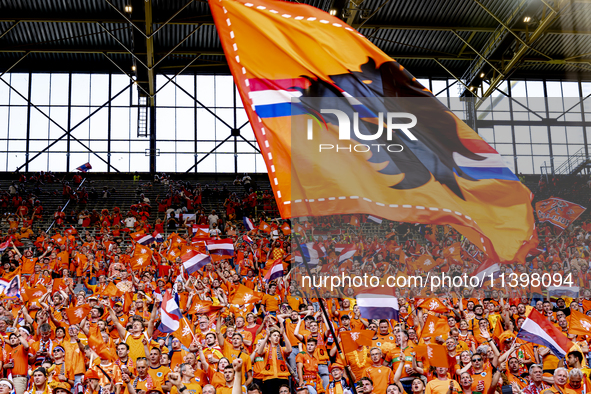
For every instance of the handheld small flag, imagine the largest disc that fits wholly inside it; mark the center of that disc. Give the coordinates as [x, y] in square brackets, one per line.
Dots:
[247, 223]
[84, 167]
[194, 261]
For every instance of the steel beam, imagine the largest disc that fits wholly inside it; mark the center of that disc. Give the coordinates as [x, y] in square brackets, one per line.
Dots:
[209, 153]
[456, 78]
[150, 50]
[543, 25]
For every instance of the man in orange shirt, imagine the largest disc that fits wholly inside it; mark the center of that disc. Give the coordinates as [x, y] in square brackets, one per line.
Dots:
[271, 301]
[307, 365]
[19, 362]
[27, 261]
[380, 376]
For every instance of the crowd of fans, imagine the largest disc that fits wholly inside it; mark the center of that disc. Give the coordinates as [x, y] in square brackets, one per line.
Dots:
[92, 314]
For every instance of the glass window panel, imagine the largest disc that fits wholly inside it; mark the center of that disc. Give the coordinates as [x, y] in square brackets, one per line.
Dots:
[487, 135]
[225, 163]
[59, 90]
[166, 95]
[204, 147]
[206, 90]
[61, 146]
[185, 121]
[554, 88]
[60, 116]
[17, 125]
[166, 162]
[80, 89]
[40, 89]
[20, 83]
[558, 134]
[559, 150]
[227, 115]
[40, 163]
[539, 134]
[205, 125]
[438, 86]
[572, 149]
[535, 88]
[187, 82]
[3, 159]
[185, 147]
[524, 164]
[247, 163]
[119, 146]
[3, 125]
[121, 161]
[518, 89]
[98, 147]
[184, 161]
[57, 162]
[505, 149]
[540, 149]
[119, 82]
[260, 164]
[120, 123]
[570, 89]
[523, 149]
[572, 117]
[453, 91]
[224, 85]
[503, 134]
[77, 114]
[165, 123]
[39, 125]
[99, 124]
[522, 134]
[99, 85]
[166, 146]
[4, 99]
[502, 115]
[574, 135]
[97, 164]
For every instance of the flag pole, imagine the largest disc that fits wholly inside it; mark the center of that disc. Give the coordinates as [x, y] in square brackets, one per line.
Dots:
[328, 320]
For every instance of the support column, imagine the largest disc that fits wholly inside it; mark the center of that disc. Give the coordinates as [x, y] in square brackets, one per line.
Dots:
[29, 122]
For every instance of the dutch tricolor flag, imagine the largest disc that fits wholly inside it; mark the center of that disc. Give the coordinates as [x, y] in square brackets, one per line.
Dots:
[538, 329]
[145, 239]
[247, 240]
[157, 237]
[194, 261]
[248, 223]
[170, 314]
[378, 303]
[276, 271]
[346, 251]
[312, 253]
[222, 247]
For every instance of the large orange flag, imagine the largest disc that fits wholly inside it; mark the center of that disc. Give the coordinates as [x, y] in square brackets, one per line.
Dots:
[434, 355]
[141, 259]
[77, 313]
[579, 323]
[427, 167]
[243, 295]
[435, 326]
[433, 305]
[453, 252]
[559, 212]
[351, 340]
[184, 332]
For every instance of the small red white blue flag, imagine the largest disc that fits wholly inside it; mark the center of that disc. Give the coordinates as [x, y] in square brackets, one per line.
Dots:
[157, 237]
[248, 224]
[247, 239]
[538, 329]
[276, 271]
[170, 314]
[222, 247]
[5, 245]
[378, 303]
[194, 261]
[84, 167]
[346, 251]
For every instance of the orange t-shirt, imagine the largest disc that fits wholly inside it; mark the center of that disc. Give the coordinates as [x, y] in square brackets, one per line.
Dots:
[20, 355]
[28, 265]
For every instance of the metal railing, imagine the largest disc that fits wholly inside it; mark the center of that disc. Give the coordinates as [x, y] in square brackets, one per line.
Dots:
[574, 164]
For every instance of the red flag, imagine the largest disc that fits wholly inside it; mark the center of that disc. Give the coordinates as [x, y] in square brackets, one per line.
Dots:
[77, 313]
[454, 177]
[559, 212]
